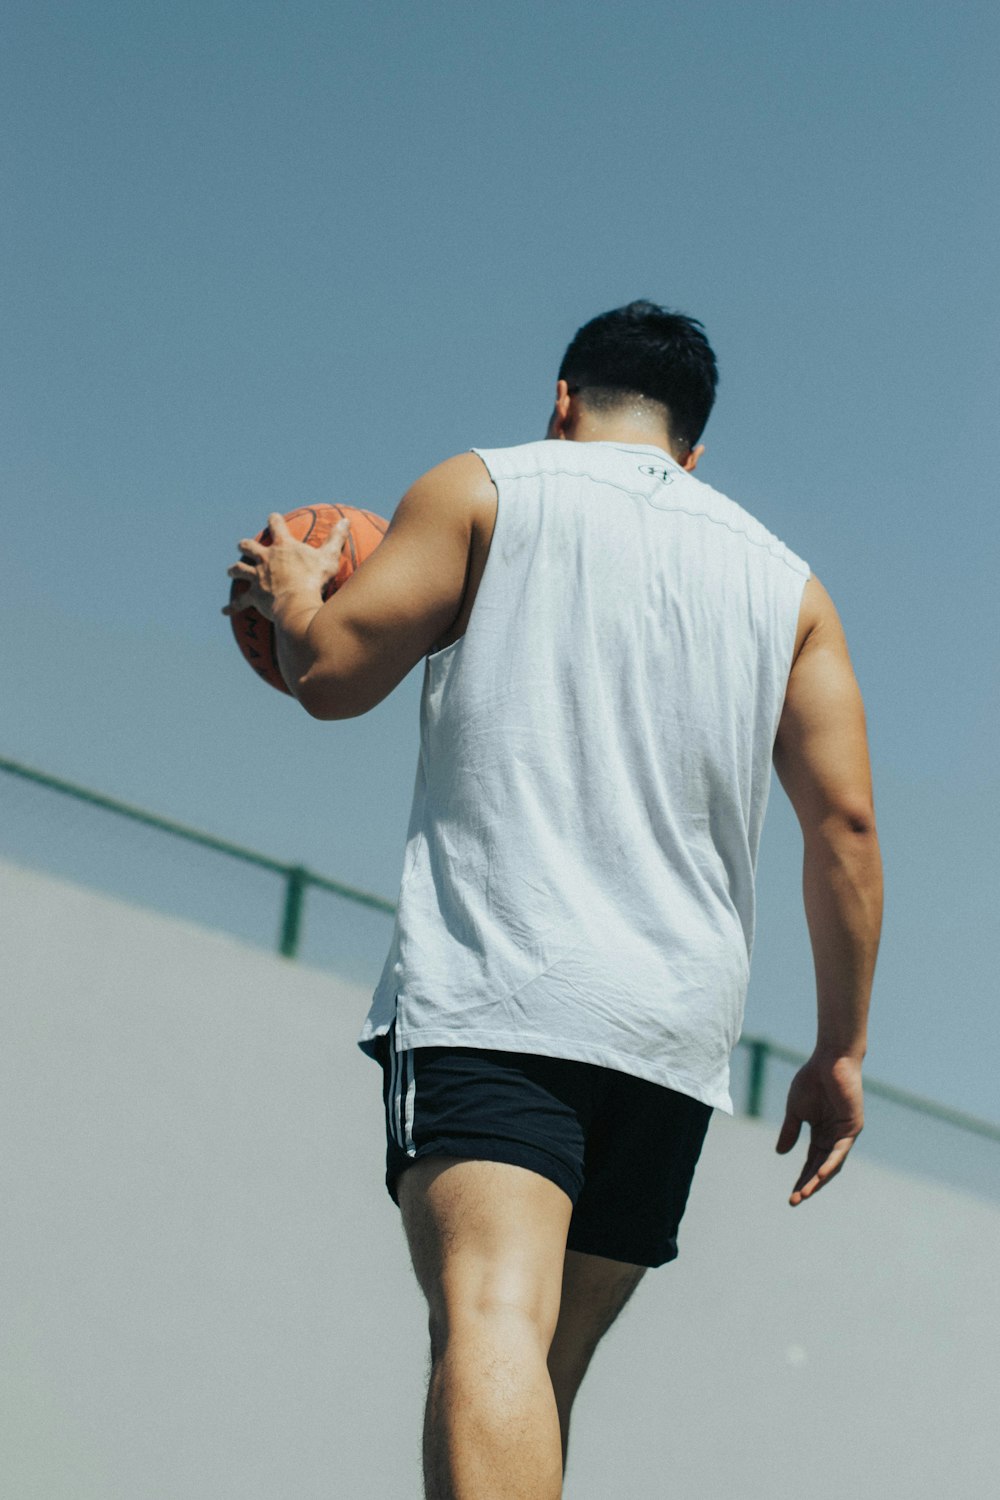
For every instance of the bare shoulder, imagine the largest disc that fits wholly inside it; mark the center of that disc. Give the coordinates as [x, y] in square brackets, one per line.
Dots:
[459, 482]
[818, 623]
[821, 748]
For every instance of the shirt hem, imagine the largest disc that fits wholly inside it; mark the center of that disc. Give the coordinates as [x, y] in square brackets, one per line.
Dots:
[541, 1046]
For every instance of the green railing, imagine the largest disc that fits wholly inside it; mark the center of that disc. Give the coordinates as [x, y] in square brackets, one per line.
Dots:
[298, 880]
[762, 1051]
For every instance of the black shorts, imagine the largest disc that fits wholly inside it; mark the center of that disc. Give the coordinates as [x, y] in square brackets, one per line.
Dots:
[623, 1149]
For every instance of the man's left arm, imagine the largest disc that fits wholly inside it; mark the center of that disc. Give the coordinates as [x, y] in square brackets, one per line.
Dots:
[342, 657]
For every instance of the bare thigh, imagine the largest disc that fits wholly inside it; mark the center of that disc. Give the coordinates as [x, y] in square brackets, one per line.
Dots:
[485, 1237]
[594, 1291]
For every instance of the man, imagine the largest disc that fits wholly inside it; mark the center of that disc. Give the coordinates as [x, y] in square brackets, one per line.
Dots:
[615, 655]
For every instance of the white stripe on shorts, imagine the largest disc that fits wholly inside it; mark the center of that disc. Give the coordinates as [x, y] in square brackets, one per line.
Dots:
[393, 1074]
[402, 1094]
[397, 1099]
[411, 1095]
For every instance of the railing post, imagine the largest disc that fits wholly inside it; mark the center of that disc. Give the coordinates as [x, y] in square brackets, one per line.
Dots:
[291, 921]
[755, 1084]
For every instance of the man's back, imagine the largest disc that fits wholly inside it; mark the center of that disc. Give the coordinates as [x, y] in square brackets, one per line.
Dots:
[595, 764]
[613, 655]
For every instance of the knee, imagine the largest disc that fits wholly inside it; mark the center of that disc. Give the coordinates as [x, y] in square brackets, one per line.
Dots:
[490, 1319]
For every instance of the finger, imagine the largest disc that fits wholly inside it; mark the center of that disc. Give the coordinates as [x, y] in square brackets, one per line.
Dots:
[253, 548]
[810, 1188]
[788, 1134]
[820, 1168]
[242, 570]
[333, 548]
[238, 603]
[279, 527]
[814, 1158]
[806, 1176]
[832, 1163]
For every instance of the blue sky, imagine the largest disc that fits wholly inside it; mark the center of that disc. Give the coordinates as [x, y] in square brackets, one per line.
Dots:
[262, 254]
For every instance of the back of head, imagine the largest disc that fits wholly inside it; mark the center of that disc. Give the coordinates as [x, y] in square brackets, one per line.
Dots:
[648, 351]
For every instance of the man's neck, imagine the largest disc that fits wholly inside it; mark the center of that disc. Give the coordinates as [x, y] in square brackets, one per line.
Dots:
[590, 429]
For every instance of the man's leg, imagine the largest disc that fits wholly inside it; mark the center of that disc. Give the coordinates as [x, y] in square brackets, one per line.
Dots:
[488, 1241]
[594, 1291]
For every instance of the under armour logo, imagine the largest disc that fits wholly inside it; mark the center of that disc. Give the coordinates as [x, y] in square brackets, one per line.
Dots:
[665, 475]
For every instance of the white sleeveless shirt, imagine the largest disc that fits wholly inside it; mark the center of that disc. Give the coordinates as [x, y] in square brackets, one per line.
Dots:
[595, 762]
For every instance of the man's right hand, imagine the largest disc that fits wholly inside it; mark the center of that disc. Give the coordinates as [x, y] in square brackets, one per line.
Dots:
[826, 1095]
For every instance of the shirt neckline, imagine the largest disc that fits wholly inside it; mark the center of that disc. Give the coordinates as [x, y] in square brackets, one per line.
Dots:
[637, 448]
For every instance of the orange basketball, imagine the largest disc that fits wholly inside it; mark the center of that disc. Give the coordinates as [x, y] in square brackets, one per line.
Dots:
[313, 524]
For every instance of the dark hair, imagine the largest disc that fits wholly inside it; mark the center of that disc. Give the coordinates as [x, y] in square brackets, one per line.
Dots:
[648, 351]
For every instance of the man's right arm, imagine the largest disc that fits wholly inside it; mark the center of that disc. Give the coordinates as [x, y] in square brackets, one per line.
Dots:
[822, 761]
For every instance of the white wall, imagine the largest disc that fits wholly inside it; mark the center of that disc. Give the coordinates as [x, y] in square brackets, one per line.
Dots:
[205, 1294]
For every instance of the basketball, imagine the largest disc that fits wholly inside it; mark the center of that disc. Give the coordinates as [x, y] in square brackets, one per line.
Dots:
[313, 524]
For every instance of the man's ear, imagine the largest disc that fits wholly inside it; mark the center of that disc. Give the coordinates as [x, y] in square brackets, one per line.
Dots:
[559, 420]
[691, 462]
